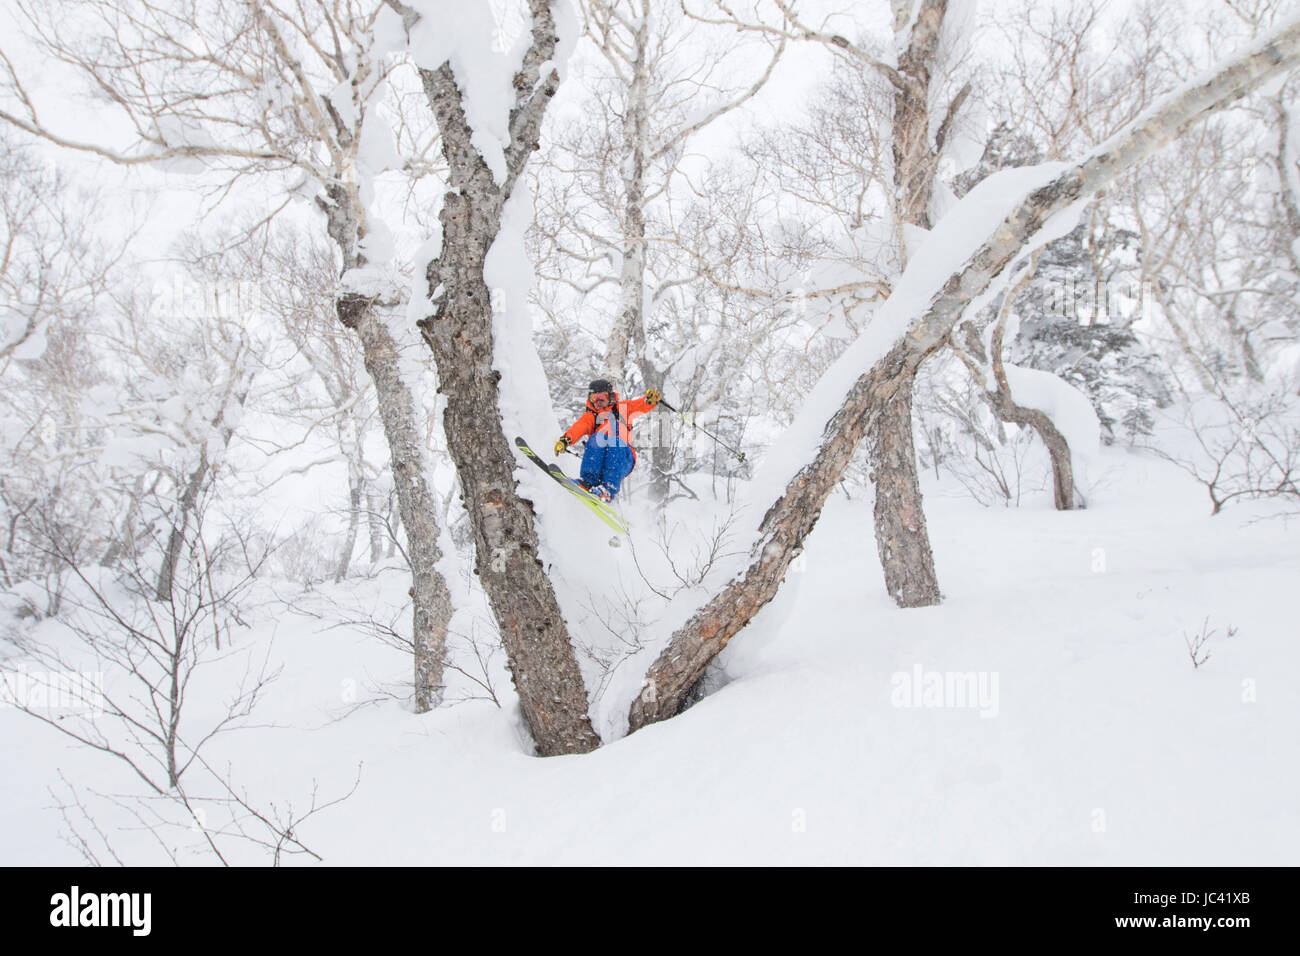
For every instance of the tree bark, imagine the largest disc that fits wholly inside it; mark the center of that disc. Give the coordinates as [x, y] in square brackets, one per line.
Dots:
[539, 653]
[348, 440]
[187, 505]
[901, 535]
[416, 503]
[787, 523]
[431, 600]
[631, 320]
[915, 160]
[902, 539]
[1058, 449]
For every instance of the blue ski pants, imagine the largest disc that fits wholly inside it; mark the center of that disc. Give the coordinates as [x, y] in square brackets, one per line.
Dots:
[606, 462]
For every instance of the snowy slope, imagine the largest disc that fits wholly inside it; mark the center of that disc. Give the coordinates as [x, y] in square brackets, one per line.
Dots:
[1101, 745]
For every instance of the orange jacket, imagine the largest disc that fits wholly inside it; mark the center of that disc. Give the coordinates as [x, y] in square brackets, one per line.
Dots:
[603, 422]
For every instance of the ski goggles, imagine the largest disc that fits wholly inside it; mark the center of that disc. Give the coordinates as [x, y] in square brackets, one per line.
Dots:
[598, 398]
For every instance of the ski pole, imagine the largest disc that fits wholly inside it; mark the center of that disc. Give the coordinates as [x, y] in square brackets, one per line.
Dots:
[740, 455]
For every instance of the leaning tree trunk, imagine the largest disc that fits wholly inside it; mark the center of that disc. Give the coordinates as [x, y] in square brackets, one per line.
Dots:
[539, 653]
[1058, 449]
[787, 523]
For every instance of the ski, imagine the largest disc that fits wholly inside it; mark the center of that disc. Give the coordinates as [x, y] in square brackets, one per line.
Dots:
[602, 509]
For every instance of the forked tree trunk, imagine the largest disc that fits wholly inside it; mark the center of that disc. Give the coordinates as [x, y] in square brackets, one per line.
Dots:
[902, 539]
[539, 653]
[787, 523]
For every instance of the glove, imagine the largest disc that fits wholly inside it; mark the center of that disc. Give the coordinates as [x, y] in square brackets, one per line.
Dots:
[654, 396]
[562, 444]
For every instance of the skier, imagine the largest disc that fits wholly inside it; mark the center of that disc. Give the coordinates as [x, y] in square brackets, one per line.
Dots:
[607, 426]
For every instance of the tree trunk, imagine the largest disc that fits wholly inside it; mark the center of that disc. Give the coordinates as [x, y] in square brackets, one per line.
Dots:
[1058, 449]
[539, 653]
[431, 600]
[631, 319]
[348, 440]
[375, 524]
[915, 160]
[538, 650]
[780, 540]
[901, 535]
[787, 523]
[189, 501]
[415, 500]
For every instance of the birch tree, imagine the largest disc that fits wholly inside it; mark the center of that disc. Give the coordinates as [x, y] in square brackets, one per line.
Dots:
[659, 85]
[235, 90]
[289, 274]
[484, 171]
[913, 324]
[921, 102]
[55, 276]
[922, 318]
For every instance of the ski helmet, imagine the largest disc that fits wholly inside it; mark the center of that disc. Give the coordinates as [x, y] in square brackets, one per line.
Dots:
[600, 385]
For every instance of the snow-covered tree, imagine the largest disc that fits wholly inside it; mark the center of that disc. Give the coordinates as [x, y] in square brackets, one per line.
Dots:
[54, 279]
[488, 392]
[1006, 218]
[1076, 310]
[610, 217]
[230, 90]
